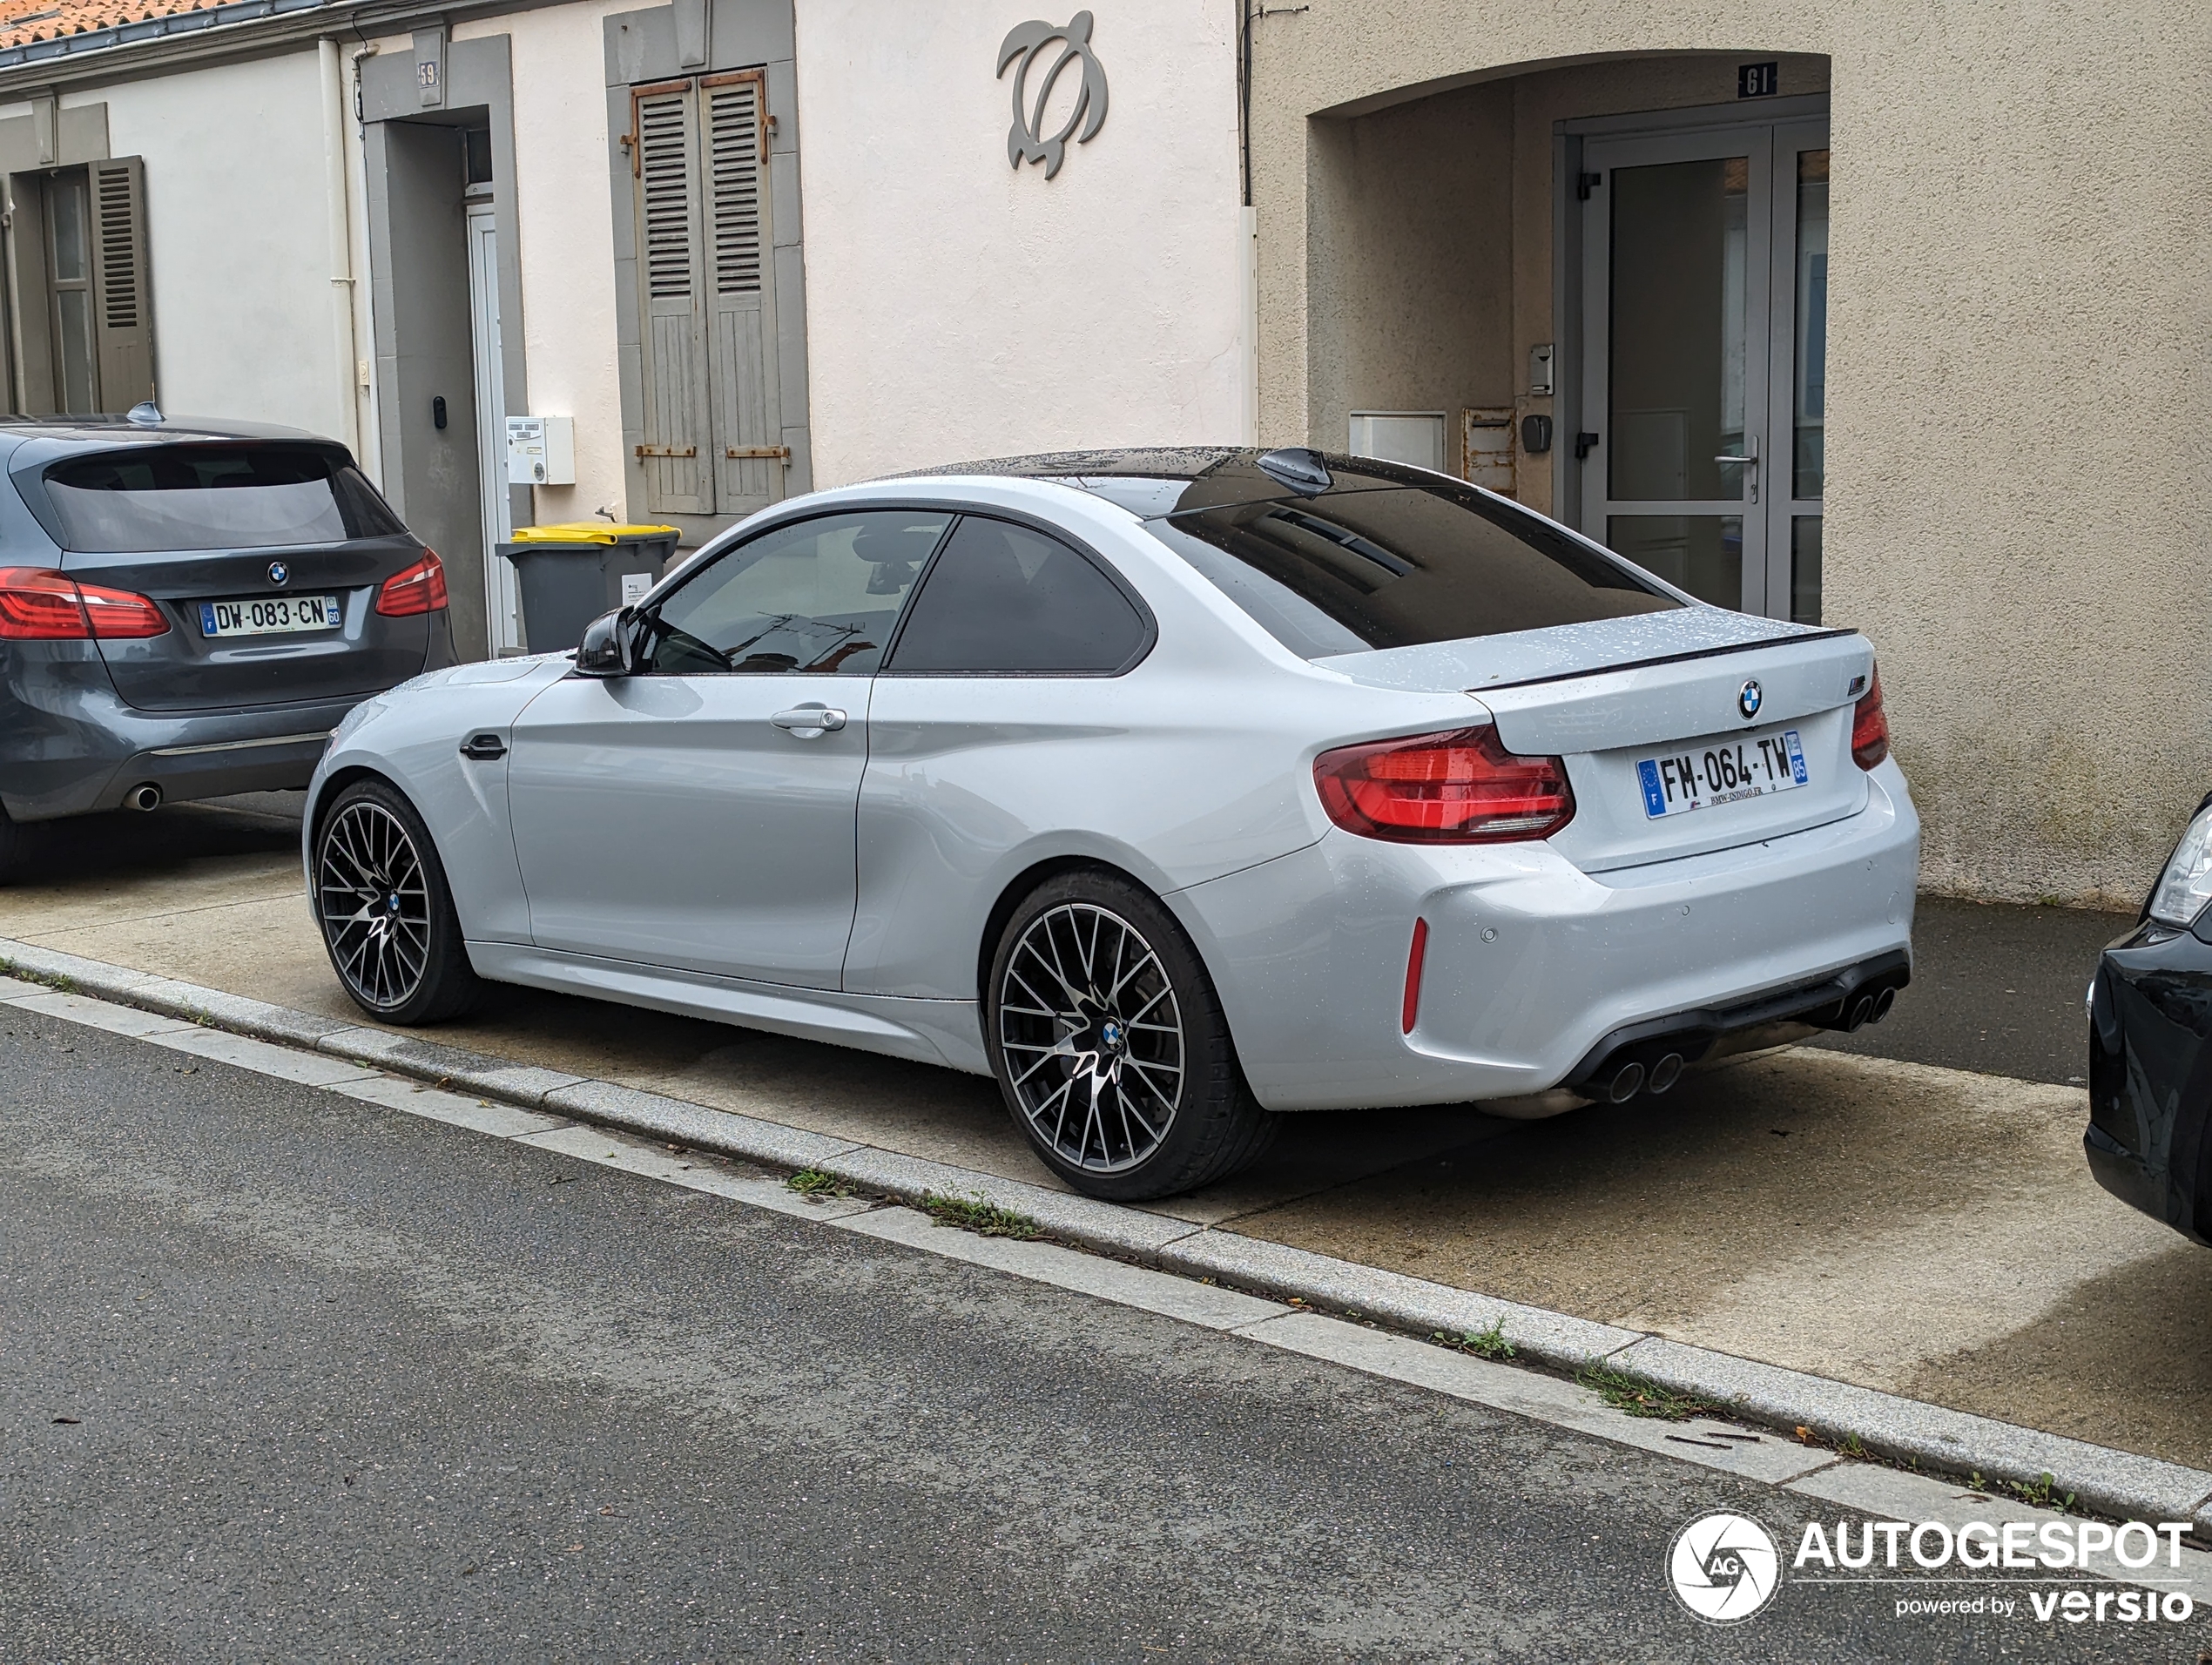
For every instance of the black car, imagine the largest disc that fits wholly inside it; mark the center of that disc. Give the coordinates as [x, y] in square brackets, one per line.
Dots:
[187, 609]
[2150, 1048]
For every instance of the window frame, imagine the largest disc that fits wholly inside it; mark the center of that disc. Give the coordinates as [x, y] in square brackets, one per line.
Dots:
[1147, 635]
[710, 557]
[957, 510]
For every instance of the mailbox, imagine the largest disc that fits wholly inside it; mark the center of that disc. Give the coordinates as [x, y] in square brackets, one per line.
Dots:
[541, 450]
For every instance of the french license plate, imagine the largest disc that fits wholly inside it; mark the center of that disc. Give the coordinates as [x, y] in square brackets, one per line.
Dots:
[1726, 772]
[270, 615]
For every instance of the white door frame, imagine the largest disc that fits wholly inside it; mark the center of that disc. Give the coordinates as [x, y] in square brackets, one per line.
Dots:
[502, 614]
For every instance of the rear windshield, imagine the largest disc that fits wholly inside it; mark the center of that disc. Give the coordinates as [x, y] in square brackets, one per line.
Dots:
[213, 497]
[1348, 571]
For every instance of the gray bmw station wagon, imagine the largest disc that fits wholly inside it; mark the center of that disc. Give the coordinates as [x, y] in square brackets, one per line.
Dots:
[187, 609]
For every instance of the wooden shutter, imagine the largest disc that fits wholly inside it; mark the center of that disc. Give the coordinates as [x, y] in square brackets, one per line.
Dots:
[675, 451]
[122, 295]
[748, 413]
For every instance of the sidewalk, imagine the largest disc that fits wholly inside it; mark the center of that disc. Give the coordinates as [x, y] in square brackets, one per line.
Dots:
[1888, 1221]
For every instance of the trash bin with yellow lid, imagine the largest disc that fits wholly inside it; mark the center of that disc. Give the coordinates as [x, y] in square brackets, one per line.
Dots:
[567, 576]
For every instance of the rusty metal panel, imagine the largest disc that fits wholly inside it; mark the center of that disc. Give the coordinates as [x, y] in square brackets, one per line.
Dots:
[1488, 454]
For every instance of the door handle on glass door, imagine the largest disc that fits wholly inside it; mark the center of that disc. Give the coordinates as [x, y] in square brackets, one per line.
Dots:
[1751, 461]
[808, 721]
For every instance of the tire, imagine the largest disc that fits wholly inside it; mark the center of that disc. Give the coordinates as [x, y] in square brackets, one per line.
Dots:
[1110, 1046]
[386, 911]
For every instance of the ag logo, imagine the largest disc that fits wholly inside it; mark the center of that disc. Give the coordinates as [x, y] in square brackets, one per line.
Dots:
[1724, 1568]
[1026, 141]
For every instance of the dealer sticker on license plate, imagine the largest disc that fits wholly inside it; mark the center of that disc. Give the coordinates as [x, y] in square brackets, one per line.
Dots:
[269, 615]
[1723, 773]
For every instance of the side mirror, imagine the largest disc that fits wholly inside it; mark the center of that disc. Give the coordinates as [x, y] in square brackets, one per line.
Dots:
[607, 646]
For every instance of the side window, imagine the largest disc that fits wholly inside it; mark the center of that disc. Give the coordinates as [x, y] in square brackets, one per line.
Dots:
[1002, 598]
[819, 595]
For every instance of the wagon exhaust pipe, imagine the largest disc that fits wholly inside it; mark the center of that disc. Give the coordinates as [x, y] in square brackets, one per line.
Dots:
[1883, 1001]
[1627, 1082]
[145, 796]
[1664, 1073]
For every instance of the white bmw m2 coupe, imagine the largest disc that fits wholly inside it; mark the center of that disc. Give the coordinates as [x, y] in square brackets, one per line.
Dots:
[1174, 789]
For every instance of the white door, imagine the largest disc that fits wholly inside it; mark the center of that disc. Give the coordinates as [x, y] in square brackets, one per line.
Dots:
[502, 612]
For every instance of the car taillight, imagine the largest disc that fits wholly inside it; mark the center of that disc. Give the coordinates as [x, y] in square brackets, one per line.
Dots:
[420, 588]
[1463, 787]
[38, 604]
[1870, 726]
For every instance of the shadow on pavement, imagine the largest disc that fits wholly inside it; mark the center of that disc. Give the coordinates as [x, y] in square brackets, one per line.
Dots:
[1997, 988]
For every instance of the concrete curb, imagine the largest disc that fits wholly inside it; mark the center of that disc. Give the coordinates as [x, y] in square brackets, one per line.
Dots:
[2103, 1480]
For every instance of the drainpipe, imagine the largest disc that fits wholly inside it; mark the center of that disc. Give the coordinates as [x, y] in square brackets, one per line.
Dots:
[345, 347]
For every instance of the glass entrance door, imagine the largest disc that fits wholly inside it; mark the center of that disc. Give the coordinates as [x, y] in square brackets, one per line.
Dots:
[1704, 335]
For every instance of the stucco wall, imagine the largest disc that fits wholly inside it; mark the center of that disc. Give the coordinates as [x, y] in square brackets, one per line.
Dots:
[2016, 507]
[957, 307]
[1412, 285]
[237, 230]
[563, 223]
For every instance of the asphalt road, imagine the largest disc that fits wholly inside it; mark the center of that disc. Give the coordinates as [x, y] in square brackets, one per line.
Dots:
[284, 1376]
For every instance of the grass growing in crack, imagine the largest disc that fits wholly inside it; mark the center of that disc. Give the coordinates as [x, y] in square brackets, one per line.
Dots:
[1483, 1344]
[814, 1183]
[2041, 1494]
[1640, 1396]
[974, 1214]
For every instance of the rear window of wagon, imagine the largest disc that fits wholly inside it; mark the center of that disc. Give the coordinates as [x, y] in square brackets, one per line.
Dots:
[157, 498]
[1345, 572]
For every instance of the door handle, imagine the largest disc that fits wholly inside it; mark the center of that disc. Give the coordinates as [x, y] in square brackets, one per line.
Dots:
[484, 748]
[1750, 460]
[808, 721]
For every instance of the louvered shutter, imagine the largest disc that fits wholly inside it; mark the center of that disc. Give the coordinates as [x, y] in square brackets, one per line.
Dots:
[750, 470]
[675, 450]
[122, 295]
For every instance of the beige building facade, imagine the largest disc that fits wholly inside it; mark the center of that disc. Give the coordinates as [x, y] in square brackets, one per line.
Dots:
[1891, 317]
[2010, 482]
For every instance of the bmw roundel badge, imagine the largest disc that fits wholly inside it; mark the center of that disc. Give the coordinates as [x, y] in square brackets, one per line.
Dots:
[1748, 698]
[279, 573]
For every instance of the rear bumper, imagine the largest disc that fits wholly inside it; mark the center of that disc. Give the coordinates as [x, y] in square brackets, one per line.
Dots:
[1532, 967]
[2150, 1077]
[69, 745]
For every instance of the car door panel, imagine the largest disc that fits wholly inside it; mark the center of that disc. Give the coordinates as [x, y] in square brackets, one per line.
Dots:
[699, 814]
[669, 820]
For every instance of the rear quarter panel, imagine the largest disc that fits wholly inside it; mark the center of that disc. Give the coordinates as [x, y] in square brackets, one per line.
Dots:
[1195, 763]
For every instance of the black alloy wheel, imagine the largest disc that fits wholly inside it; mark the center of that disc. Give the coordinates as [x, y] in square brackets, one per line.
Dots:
[388, 918]
[1110, 1046]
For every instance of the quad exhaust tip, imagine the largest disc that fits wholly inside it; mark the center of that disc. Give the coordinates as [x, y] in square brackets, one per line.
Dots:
[1626, 1081]
[144, 797]
[1664, 1073]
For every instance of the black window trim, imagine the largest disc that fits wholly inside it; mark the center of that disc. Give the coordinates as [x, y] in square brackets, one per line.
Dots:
[709, 558]
[1148, 637]
[958, 510]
